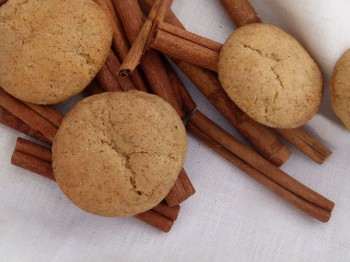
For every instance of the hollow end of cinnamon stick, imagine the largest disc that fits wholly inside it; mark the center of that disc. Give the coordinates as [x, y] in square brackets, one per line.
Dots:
[124, 72]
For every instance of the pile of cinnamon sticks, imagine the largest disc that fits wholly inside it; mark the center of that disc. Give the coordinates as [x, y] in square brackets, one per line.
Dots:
[133, 41]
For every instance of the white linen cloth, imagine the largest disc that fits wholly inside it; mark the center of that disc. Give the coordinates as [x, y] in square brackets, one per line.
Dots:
[231, 217]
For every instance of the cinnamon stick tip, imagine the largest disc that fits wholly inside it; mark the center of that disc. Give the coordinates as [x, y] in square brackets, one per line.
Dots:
[281, 156]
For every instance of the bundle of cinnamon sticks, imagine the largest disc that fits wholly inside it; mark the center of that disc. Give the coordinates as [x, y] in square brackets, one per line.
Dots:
[133, 41]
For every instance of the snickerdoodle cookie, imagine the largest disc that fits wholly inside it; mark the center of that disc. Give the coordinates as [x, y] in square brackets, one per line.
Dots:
[51, 50]
[340, 89]
[119, 154]
[270, 76]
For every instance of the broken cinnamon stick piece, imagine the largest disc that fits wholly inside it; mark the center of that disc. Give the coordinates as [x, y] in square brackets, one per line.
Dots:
[306, 143]
[240, 11]
[298, 202]
[8, 119]
[27, 115]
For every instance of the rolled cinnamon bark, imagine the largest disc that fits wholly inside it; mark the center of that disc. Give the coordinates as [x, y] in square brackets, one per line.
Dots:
[240, 11]
[27, 147]
[121, 44]
[50, 114]
[113, 65]
[27, 115]
[107, 81]
[298, 202]
[132, 20]
[261, 164]
[185, 50]
[8, 119]
[32, 164]
[306, 143]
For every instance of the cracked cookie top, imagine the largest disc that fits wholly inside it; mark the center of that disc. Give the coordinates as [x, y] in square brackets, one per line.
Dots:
[120, 153]
[51, 50]
[270, 76]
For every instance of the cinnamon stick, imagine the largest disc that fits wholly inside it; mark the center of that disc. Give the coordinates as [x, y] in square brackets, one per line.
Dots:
[132, 20]
[159, 217]
[181, 190]
[152, 218]
[113, 65]
[120, 42]
[182, 33]
[179, 90]
[179, 47]
[8, 119]
[32, 164]
[258, 162]
[306, 143]
[2, 2]
[33, 149]
[310, 209]
[50, 114]
[240, 11]
[94, 88]
[107, 81]
[139, 46]
[167, 211]
[27, 115]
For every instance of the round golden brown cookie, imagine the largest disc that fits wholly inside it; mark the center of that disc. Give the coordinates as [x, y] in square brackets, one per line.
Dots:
[119, 153]
[51, 50]
[340, 88]
[270, 76]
